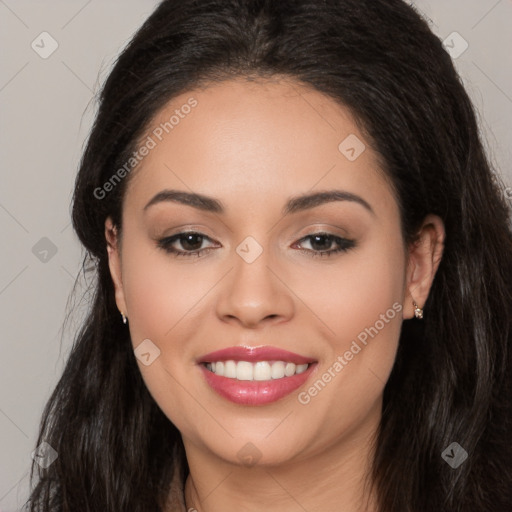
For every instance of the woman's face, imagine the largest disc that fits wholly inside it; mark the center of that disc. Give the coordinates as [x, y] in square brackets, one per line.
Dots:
[260, 278]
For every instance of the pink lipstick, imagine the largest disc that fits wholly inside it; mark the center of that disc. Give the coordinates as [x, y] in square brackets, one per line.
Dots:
[255, 375]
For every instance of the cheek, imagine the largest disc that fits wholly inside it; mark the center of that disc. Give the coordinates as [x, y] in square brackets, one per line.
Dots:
[165, 301]
[361, 305]
[352, 294]
[161, 300]
[372, 314]
[159, 294]
[360, 301]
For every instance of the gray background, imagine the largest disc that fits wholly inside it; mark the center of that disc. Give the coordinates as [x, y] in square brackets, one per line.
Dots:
[47, 107]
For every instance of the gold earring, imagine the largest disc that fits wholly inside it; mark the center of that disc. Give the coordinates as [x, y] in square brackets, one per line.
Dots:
[124, 318]
[418, 312]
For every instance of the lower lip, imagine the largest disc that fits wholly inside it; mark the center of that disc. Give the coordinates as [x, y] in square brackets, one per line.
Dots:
[258, 392]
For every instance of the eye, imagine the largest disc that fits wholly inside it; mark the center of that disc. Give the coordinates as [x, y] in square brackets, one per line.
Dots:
[191, 242]
[320, 242]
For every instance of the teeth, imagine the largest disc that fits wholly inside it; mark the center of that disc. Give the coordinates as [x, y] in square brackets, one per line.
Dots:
[262, 370]
[244, 371]
[230, 369]
[277, 370]
[301, 368]
[289, 369]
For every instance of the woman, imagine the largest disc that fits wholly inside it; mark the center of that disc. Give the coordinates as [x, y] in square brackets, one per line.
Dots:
[303, 265]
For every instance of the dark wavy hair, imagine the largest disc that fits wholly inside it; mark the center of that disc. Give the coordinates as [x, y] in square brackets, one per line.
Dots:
[451, 380]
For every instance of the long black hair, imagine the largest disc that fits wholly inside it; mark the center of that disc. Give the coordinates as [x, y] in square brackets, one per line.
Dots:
[451, 381]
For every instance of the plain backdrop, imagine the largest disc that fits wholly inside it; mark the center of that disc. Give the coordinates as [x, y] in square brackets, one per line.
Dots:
[47, 106]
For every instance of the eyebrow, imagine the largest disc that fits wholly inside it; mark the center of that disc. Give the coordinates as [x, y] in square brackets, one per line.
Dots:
[293, 205]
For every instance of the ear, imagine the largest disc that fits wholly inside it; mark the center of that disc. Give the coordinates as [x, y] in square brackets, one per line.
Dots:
[424, 259]
[114, 263]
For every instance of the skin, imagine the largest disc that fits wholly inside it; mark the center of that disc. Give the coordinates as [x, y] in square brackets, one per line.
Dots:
[253, 145]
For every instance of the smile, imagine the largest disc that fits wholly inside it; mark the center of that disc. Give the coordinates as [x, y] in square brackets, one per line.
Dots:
[255, 376]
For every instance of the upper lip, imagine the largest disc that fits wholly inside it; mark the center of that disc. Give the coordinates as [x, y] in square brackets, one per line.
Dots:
[254, 354]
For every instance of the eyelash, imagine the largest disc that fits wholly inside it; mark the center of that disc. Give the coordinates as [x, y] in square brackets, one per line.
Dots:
[344, 245]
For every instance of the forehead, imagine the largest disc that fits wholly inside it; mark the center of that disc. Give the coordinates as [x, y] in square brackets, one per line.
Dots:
[255, 140]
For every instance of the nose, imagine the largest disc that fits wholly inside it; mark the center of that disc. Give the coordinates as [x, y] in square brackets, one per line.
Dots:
[255, 294]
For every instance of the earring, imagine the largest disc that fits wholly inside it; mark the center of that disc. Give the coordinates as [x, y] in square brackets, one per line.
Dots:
[418, 312]
[124, 318]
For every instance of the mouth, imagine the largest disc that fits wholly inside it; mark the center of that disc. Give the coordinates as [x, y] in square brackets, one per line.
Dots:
[255, 376]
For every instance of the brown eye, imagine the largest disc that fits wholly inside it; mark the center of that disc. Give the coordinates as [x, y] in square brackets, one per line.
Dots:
[190, 243]
[322, 242]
